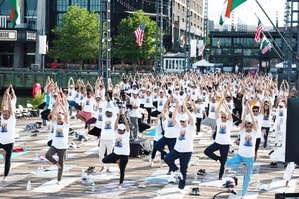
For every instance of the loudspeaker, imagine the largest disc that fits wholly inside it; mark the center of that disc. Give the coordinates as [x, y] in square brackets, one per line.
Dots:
[286, 195]
[139, 147]
[292, 136]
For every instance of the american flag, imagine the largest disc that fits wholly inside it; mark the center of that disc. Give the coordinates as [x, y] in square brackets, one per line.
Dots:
[201, 49]
[138, 33]
[260, 28]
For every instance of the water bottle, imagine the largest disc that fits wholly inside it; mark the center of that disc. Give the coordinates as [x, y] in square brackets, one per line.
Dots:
[28, 187]
[93, 187]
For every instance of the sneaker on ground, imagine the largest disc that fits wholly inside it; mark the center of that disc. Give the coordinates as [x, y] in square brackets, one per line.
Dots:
[181, 191]
[171, 179]
[179, 175]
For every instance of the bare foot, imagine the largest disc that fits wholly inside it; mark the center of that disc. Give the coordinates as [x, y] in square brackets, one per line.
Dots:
[119, 186]
[243, 167]
[58, 166]
[4, 179]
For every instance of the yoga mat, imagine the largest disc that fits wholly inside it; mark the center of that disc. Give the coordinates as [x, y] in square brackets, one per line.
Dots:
[11, 179]
[151, 132]
[171, 191]
[51, 171]
[111, 189]
[249, 195]
[52, 186]
[278, 186]
[16, 154]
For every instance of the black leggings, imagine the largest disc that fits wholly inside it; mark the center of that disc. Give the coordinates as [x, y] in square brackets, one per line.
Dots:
[8, 151]
[198, 123]
[223, 149]
[123, 161]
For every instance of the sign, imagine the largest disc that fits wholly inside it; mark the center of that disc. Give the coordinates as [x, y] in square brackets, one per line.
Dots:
[8, 35]
[30, 36]
[42, 44]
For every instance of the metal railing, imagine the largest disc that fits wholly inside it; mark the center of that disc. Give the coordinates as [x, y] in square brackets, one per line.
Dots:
[3, 21]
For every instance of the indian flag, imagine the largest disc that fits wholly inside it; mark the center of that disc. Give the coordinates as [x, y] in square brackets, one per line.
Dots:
[181, 40]
[228, 7]
[14, 13]
[265, 45]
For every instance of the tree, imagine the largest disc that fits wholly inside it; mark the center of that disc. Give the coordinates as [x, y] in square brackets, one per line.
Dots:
[77, 36]
[125, 47]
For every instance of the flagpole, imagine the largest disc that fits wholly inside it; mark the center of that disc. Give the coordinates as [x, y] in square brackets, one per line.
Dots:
[284, 40]
[280, 54]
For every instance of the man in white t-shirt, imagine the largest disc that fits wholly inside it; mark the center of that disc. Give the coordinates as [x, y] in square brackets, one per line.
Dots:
[222, 139]
[244, 159]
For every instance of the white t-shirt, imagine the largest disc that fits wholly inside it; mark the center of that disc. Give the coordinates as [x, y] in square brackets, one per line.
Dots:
[199, 110]
[212, 110]
[60, 135]
[184, 141]
[7, 130]
[107, 132]
[99, 117]
[148, 101]
[247, 144]
[135, 102]
[258, 120]
[71, 94]
[266, 120]
[88, 104]
[171, 129]
[122, 143]
[223, 132]
[158, 134]
[160, 103]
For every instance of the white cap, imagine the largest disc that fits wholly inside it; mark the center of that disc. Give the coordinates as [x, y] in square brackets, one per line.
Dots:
[248, 119]
[184, 117]
[121, 127]
[109, 110]
[135, 92]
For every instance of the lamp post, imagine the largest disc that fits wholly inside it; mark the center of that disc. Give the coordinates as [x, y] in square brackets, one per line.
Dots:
[187, 33]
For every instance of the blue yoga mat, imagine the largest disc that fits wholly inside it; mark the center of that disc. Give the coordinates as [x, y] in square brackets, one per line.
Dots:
[151, 132]
[14, 155]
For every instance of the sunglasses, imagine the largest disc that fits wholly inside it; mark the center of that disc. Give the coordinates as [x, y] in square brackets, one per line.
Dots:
[223, 117]
[182, 121]
[255, 111]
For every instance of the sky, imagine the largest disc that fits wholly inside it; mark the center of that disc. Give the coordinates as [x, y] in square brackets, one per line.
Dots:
[245, 13]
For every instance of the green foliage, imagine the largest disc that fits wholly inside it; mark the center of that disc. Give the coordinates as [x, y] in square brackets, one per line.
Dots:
[125, 47]
[38, 100]
[77, 37]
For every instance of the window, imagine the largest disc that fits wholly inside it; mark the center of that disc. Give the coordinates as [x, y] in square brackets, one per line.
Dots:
[62, 5]
[81, 3]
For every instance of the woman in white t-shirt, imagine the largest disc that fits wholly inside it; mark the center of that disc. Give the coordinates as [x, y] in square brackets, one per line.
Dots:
[121, 152]
[222, 140]
[183, 147]
[244, 159]
[7, 124]
[59, 135]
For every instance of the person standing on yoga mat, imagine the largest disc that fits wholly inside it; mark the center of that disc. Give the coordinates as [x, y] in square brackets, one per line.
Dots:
[222, 140]
[7, 124]
[59, 134]
[244, 159]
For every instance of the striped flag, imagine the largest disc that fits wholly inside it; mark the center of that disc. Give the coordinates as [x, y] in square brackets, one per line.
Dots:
[228, 7]
[181, 40]
[259, 30]
[201, 49]
[14, 13]
[265, 45]
[138, 33]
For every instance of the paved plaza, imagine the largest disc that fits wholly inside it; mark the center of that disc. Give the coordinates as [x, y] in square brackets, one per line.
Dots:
[141, 180]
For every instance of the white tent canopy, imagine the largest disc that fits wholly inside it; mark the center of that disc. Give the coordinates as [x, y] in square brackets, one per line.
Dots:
[280, 65]
[202, 62]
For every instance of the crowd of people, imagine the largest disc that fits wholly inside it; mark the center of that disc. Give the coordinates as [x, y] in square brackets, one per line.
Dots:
[178, 105]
